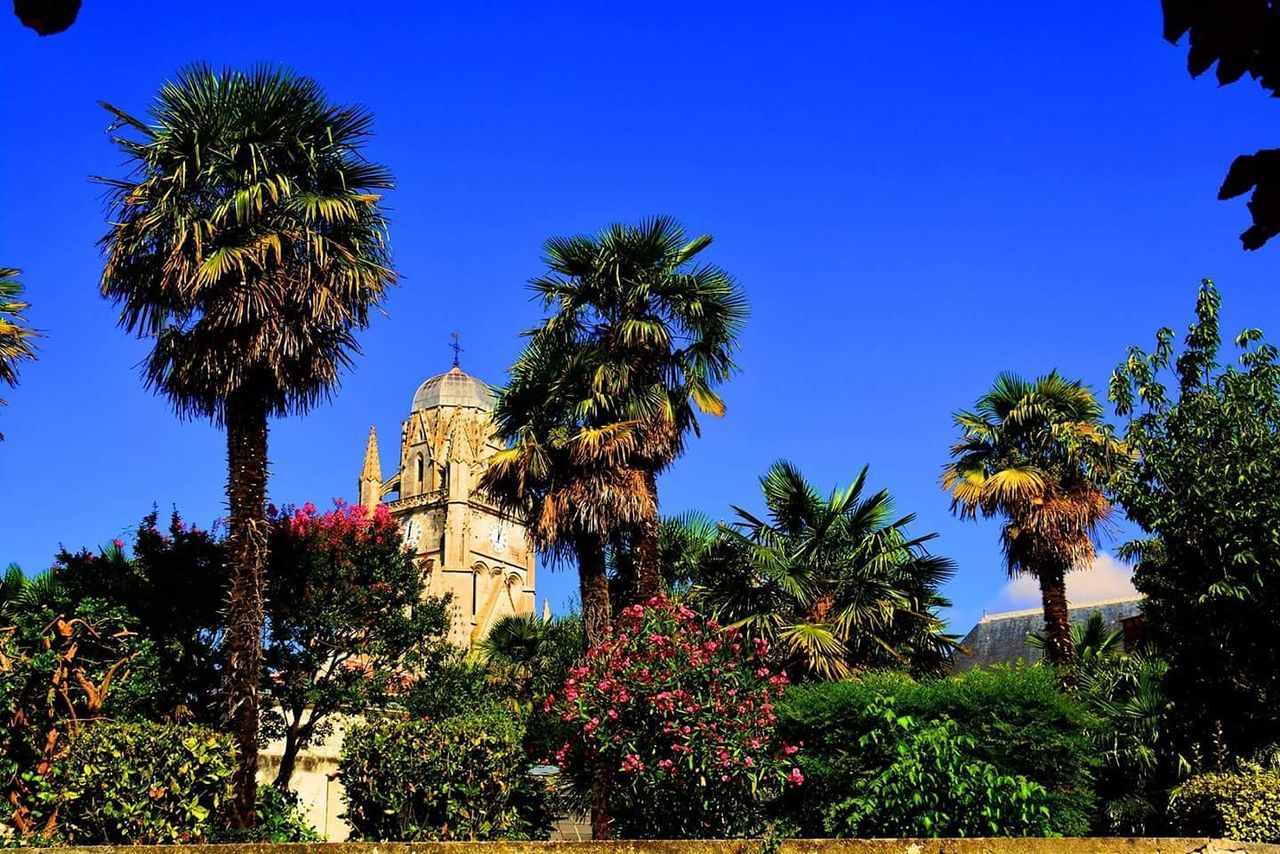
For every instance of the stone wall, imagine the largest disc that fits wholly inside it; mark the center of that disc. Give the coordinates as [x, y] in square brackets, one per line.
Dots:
[792, 846]
[314, 780]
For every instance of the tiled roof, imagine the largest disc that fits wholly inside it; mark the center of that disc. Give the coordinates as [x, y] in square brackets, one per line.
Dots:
[1002, 638]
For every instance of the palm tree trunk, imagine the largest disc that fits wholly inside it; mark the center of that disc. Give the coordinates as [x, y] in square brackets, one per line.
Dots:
[648, 546]
[1059, 648]
[596, 615]
[593, 582]
[247, 550]
[601, 782]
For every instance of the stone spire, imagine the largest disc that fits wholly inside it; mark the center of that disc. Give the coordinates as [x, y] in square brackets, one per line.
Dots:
[371, 474]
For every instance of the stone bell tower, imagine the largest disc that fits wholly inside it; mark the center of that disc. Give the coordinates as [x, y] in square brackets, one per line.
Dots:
[469, 547]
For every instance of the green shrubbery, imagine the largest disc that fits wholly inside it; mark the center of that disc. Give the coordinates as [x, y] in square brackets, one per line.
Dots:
[145, 783]
[1243, 806]
[933, 784]
[460, 778]
[279, 820]
[1001, 744]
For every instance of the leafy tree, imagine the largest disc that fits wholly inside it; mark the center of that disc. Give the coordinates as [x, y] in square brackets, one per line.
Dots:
[835, 584]
[17, 340]
[247, 241]
[170, 583]
[59, 669]
[1241, 37]
[1205, 487]
[347, 620]
[657, 329]
[1034, 454]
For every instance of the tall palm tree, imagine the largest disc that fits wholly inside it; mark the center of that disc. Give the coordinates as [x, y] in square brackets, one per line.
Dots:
[1034, 453]
[17, 340]
[247, 242]
[657, 329]
[569, 480]
[835, 583]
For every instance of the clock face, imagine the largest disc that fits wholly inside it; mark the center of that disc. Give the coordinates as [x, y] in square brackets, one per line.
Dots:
[412, 532]
[498, 537]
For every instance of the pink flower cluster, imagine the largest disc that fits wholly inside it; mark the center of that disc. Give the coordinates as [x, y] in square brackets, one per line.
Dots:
[343, 525]
[671, 699]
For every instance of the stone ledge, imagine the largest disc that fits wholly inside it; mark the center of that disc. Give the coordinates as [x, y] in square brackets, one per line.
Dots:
[1088, 845]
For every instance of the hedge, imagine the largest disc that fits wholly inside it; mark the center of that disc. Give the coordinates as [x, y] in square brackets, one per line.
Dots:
[461, 778]
[1017, 725]
[142, 784]
[1244, 806]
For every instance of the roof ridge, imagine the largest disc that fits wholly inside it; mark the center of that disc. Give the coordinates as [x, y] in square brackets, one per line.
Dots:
[1027, 612]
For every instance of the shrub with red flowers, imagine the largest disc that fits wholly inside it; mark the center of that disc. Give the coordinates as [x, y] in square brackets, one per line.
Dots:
[348, 620]
[679, 714]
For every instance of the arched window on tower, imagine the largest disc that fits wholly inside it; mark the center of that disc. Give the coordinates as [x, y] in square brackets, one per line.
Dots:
[475, 591]
[444, 477]
[421, 485]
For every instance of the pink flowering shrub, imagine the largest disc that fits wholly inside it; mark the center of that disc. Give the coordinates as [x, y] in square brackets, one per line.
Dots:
[348, 620]
[681, 713]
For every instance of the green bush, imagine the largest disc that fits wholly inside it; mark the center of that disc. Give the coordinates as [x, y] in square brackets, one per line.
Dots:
[280, 820]
[933, 785]
[142, 784]
[460, 778]
[1244, 806]
[1015, 720]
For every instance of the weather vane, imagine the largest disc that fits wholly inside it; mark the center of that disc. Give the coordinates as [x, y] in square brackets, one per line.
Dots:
[456, 347]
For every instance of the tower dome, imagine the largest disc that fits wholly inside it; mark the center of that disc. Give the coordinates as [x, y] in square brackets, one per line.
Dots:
[453, 388]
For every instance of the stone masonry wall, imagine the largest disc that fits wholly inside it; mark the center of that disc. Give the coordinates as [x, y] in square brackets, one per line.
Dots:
[791, 846]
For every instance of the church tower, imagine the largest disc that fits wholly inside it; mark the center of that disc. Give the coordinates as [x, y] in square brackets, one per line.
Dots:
[469, 547]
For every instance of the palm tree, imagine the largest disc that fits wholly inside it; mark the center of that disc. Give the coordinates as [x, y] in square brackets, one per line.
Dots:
[1093, 640]
[567, 479]
[686, 541]
[247, 242]
[657, 330]
[22, 595]
[835, 583]
[572, 481]
[1033, 453]
[17, 341]
[530, 654]
[512, 648]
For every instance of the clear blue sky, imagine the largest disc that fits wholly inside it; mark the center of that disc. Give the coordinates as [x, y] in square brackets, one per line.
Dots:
[914, 195]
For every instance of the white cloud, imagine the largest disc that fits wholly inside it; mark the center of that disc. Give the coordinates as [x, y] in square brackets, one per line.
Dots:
[1108, 578]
